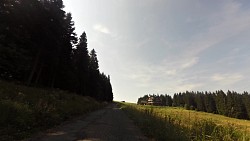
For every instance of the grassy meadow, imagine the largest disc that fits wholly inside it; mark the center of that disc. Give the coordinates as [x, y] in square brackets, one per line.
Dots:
[172, 123]
[26, 110]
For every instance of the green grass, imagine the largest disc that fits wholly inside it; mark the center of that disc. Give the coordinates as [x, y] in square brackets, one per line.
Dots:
[169, 123]
[25, 110]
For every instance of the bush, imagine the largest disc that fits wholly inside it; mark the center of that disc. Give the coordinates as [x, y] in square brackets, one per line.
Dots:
[15, 119]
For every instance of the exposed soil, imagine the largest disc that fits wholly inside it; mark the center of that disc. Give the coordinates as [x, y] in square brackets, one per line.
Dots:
[107, 124]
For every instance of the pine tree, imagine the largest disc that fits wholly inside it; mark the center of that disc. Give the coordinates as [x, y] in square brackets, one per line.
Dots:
[246, 99]
[221, 102]
[47, 30]
[169, 101]
[200, 102]
[65, 77]
[109, 95]
[190, 101]
[238, 109]
[81, 63]
[94, 74]
[209, 103]
[105, 92]
[163, 100]
[14, 38]
[230, 105]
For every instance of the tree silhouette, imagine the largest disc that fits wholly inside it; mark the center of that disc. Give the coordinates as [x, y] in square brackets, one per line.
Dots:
[38, 47]
[81, 62]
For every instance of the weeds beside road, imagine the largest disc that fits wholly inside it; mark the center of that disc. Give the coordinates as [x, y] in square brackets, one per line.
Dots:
[27, 110]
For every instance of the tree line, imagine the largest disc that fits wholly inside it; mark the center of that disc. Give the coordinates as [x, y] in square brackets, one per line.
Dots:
[231, 103]
[39, 47]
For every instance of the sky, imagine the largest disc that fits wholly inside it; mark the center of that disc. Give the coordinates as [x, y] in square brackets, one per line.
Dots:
[167, 46]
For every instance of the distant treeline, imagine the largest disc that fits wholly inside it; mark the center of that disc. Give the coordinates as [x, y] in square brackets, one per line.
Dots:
[231, 104]
[39, 47]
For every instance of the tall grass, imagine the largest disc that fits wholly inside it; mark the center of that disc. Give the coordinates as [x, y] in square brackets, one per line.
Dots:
[25, 110]
[160, 124]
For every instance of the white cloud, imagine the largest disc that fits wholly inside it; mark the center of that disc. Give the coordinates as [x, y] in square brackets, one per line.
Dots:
[101, 28]
[189, 63]
[226, 79]
[188, 87]
[161, 78]
[171, 72]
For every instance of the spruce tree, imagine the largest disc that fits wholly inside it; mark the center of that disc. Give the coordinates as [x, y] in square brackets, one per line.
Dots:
[221, 102]
[94, 75]
[81, 63]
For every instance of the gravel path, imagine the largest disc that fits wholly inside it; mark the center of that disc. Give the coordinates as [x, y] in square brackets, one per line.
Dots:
[108, 124]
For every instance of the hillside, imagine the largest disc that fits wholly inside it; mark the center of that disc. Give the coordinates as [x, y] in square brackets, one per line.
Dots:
[169, 123]
[27, 110]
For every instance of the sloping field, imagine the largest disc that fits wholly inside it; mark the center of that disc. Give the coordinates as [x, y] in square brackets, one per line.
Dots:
[191, 116]
[27, 110]
[171, 123]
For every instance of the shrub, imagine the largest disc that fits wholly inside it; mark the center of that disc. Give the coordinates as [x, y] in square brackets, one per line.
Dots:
[15, 119]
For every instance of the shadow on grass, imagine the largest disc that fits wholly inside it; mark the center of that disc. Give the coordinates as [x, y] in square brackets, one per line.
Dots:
[26, 110]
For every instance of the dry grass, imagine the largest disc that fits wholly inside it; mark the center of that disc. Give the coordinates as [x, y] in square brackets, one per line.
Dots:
[191, 116]
[171, 123]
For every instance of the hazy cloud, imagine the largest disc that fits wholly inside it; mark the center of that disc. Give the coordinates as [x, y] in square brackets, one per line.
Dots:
[227, 78]
[228, 22]
[189, 63]
[101, 28]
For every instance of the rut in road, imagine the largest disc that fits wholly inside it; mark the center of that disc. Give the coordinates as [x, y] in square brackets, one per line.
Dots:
[108, 124]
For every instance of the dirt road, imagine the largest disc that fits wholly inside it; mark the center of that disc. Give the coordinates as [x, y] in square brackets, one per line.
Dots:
[108, 124]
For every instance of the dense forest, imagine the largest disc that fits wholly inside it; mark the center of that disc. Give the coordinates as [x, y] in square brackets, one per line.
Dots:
[39, 48]
[231, 104]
